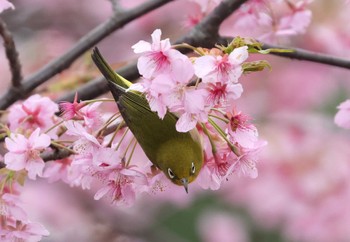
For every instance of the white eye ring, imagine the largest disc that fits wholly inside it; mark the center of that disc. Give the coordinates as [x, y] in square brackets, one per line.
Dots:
[171, 173]
[193, 169]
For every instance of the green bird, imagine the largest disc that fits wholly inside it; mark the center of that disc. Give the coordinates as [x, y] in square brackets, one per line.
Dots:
[178, 155]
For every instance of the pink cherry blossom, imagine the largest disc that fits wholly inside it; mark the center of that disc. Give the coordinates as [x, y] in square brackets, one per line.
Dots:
[193, 111]
[85, 147]
[246, 162]
[34, 112]
[74, 128]
[224, 69]
[219, 94]
[58, 170]
[342, 118]
[25, 153]
[71, 110]
[157, 92]
[157, 57]
[24, 231]
[4, 5]
[92, 115]
[123, 185]
[240, 131]
[105, 157]
[11, 206]
[217, 168]
[295, 23]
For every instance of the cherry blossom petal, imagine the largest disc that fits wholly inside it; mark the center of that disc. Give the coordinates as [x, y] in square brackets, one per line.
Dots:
[141, 46]
[185, 123]
[204, 65]
[15, 161]
[238, 55]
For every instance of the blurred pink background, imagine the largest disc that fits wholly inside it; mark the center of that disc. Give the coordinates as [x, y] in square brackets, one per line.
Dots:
[303, 189]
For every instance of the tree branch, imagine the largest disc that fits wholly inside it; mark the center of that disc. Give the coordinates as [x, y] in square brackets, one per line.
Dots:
[12, 54]
[118, 20]
[307, 55]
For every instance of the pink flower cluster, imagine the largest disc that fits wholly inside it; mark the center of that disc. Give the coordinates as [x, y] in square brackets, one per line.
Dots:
[15, 224]
[167, 76]
[167, 83]
[264, 20]
[77, 148]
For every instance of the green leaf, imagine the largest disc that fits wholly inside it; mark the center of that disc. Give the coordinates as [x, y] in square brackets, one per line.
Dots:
[255, 66]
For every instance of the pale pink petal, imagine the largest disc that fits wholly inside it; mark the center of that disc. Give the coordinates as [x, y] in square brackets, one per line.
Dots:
[102, 192]
[37, 229]
[4, 5]
[182, 68]
[238, 55]
[129, 195]
[34, 168]
[15, 161]
[141, 46]
[234, 90]
[185, 123]
[207, 179]
[194, 100]
[157, 106]
[16, 143]
[342, 118]
[204, 65]
[76, 129]
[146, 66]
[39, 141]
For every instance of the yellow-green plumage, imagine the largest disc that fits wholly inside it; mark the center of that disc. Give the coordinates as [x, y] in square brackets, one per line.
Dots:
[168, 149]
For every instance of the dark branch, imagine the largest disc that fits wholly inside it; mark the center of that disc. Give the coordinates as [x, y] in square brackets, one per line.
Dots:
[12, 54]
[118, 20]
[301, 54]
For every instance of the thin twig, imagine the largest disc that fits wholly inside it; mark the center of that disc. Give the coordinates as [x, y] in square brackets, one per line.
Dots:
[61, 63]
[12, 54]
[307, 55]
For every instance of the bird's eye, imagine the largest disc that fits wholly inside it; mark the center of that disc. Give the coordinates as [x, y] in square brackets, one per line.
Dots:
[171, 173]
[193, 169]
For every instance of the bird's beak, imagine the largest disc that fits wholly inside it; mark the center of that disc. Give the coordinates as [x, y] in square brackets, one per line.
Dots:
[185, 184]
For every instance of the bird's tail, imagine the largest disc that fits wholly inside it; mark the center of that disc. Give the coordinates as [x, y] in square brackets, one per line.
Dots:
[117, 84]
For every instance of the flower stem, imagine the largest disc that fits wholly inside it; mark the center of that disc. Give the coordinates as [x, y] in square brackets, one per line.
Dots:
[109, 121]
[115, 133]
[122, 138]
[58, 145]
[220, 118]
[56, 125]
[127, 148]
[223, 135]
[132, 152]
[212, 144]
[184, 45]
[99, 100]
